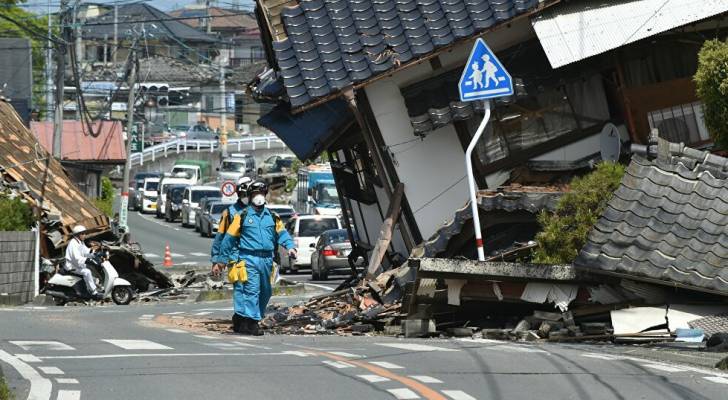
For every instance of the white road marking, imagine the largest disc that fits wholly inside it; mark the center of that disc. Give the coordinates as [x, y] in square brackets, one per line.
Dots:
[177, 317]
[254, 346]
[248, 338]
[415, 347]
[175, 330]
[29, 358]
[69, 395]
[662, 367]
[43, 345]
[337, 364]
[403, 394]
[602, 357]
[345, 354]
[147, 316]
[196, 254]
[518, 349]
[67, 381]
[40, 387]
[484, 341]
[458, 395]
[177, 255]
[296, 353]
[203, 313]
[137, 344]
[716, 379]
[425, 379]
[152, 255]
[219, 345]
[51, 370]
[386, 365]
[36, 308]
[373, 378]
[205, 337]
[215, 309]
[328, 289]
[160, 355]
[175, 313]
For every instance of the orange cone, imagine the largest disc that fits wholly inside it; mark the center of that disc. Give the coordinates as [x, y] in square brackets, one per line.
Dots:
[167, 256]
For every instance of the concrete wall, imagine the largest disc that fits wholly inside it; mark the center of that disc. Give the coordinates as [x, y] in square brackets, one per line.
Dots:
[17, 252]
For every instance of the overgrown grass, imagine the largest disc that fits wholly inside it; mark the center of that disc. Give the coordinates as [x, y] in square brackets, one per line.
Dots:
[105, 203]
[5, 393]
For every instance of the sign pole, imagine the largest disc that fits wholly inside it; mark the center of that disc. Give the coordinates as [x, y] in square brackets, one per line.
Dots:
[471, 180]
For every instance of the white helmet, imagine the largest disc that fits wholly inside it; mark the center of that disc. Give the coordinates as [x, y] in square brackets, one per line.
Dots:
[244, 180]
[78, 229]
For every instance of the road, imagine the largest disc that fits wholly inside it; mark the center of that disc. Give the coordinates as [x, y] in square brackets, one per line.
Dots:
[116, 352]
[187, 247]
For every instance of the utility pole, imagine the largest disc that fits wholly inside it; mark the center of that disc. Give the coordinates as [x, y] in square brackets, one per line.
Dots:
[116, 31]
[79, 57]
[129, 128]
[66, 35]
[209, 17]
[223, 112]
[49, 70]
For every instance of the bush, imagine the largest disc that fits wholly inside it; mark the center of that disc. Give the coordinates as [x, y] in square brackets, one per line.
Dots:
[5, 392]
[105, 203]
[711, 81]
[564, 231]
[15, 215]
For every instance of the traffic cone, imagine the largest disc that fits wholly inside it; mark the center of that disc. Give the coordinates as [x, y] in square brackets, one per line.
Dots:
[167, 256]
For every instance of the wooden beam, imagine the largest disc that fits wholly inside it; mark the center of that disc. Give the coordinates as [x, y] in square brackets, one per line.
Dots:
[385, 232]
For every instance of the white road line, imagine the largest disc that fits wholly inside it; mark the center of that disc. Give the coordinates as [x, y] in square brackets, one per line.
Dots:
[160, 355]
[29, 358]
[662, 367]
[326, 288]
[51, 370]
[296, 353]
[254, 346]
[425, 379]
[716, 379]
[518, 349]
[175, 313]
[43, 345]
[603, 357]
[177, 255]
[415, 347]
[147, 316]
[250, 339]
[219, 345]
[196, 254]
[337, 364]
[175, 330]
[136, 344]
[177, 317]
[386, 365]
[373, 378]
[69, 395]
[458, 395]
[40, 387]
[403, 394]
[206, 337]
[67, 381]
[203, 313]
[152, 255]
[187, 263]
[345, 354]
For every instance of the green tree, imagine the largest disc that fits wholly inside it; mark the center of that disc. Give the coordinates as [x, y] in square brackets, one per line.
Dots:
[564, 231]
[106, 202]
[15, 215]
[711, 81]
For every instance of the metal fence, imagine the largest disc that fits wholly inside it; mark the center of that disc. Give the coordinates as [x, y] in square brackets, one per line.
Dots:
[17, 267]
[177, 146]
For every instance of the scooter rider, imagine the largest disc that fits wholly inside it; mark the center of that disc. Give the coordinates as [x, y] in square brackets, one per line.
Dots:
[226, 218]
[76, 255]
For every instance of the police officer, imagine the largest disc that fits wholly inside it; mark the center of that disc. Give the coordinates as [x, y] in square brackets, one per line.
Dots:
[225, 219]
[248, 246]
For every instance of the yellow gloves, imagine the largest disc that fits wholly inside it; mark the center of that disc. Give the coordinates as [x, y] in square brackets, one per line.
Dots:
[237, 272]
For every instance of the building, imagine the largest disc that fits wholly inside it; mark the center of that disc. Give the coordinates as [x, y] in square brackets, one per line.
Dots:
[374, 83]
[16, 74]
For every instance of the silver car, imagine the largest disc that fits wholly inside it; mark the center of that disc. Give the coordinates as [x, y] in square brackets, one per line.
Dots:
[330, 254]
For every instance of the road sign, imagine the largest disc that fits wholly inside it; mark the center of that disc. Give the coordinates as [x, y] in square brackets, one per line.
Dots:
[228, 188]
[484, 77]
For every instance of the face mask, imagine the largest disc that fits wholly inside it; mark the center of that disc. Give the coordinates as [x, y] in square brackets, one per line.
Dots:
[258, 200]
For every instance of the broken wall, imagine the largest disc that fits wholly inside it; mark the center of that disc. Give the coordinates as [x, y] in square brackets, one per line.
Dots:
[17, 260]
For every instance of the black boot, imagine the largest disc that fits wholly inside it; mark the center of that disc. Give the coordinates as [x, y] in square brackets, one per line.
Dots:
[253, 328]
[239, 324]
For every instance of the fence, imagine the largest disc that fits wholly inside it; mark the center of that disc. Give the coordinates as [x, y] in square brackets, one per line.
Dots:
[17, 267]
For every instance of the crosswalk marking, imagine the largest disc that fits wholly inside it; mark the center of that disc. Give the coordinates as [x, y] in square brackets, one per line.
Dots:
[175, 313]
[345, 354]
[373, 378]
[458, 395]
[42, 345]
[176, 330]
[29, 358]
[50, 370]
[203, 313]
[69, 395]
[716, 379]
[387, 365]
[205, 337]
[337, 364]
[152, 255]
[67, 381]
[602, 357]
[147, 316]
[176, 255]
[403, 394]
[199, 254]
[187, 263]
[519, 349]
[137, 344]
[665, 368]
[425, 379]
[415, 347]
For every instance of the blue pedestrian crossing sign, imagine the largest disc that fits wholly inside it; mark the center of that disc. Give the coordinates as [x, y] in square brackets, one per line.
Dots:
[484, 77]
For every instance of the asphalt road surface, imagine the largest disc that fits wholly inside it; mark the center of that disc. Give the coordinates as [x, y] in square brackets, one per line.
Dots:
[117, 352]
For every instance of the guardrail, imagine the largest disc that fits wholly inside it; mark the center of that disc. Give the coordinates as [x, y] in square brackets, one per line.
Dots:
[177, 146]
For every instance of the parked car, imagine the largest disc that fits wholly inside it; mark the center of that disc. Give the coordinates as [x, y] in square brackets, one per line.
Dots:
[135, 193]
[191, 201]
[149, 195]
[284, 211]
[275, 162]
[204, 203]
[330, 254]
[173, 207]
[305, 229]
[179, 131]
[164, 184]
[236, 166]
[211, 217]
[201, 132]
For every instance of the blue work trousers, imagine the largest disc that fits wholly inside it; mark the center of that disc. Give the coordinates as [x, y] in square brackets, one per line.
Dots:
[250, 299]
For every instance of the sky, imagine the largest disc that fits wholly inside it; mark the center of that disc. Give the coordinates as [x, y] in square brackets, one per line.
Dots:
[41, 6]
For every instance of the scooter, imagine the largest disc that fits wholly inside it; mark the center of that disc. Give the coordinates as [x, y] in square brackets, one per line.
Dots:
[65, 286]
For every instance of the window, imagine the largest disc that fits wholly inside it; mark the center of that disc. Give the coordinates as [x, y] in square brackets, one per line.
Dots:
[683, 123]
[256, 53]
[209, 103]
[152, 186]
[198, 195]
[315, 227]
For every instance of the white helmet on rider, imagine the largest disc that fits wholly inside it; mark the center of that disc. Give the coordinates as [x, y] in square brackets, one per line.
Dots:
[78, 229]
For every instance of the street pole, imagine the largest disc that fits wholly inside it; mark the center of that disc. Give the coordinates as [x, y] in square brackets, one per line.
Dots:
[471, 180]
[223, 114]
[49, 70]
[129, 128]
[79, 58]
[116, 31]
[60, 80]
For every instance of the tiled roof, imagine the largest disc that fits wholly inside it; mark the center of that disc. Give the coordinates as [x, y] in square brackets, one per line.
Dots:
[221, 18]
[78, 145]
[332, 44]
[667, 222]
[157, 69]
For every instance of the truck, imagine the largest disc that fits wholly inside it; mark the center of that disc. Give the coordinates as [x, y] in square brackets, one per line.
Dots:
[196, 170]
[315, 192]
[236, 166]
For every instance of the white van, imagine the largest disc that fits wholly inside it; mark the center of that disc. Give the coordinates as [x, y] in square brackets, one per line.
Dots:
[305, 230]
[236, 166]
[191, 202]
[149, 194]
[164, 184]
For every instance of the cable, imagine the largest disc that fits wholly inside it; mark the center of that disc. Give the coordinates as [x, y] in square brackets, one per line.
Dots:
[439, 195]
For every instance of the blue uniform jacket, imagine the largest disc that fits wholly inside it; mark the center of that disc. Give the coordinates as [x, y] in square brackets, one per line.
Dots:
[222, 227]
[260, 231]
